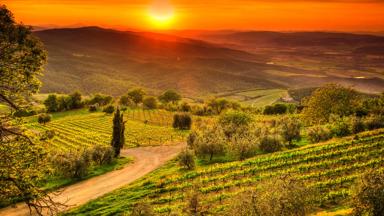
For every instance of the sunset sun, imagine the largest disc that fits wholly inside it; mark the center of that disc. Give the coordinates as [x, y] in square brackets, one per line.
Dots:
[161, 13]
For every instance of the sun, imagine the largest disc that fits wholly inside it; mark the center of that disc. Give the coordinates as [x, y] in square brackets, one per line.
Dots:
[161, 13]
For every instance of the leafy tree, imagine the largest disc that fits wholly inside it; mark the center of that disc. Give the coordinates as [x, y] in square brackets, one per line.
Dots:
[283, 196]
[211, 142]
[218, 105]
[368, 197]
[102, 154]
[187, 159]
[23, 161]
[275, 109]
[330, 99]
[118, 138]
[234, 122]
[182, 121]
[136, 95]
[290, 129]
[244, 145]
[150, 103]
[44, 118]
[51, 103]
[170, 96]
[125, 101]
[100, 99]
[109, 109]
[318, 133]
[76, 101]
[270, 144]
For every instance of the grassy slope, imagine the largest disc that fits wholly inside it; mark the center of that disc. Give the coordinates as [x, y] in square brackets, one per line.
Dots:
[79, 128]
[331, 167]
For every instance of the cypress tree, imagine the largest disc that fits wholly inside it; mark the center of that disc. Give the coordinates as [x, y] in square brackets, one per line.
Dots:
[118, 139]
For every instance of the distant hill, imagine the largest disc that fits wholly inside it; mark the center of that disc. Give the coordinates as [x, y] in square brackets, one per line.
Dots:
[93, 59]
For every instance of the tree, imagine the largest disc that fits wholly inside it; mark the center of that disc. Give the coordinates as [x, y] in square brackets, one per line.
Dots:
[290, 129]
[243, 145]
[51, 103]
[368, 197]
[170, 96]
[76, 102]
[150, 103]
[125, 101]
[283, 196]
[44, 118]
[218, 105]
[182, 121]
[211, 142]
[23, 161]
[118, 139]
[330, 99]
[187, 159]
[234, 121]
[136, 95]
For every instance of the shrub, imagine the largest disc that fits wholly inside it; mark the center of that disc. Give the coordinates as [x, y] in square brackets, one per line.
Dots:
[318, 133]
[283, 196]
[368, 197]
[51, 103]
[102, 154]
[191, 139]
[92, 108]
[126, 101]
[185, 107]
[24, 113]
[290, 129]
[48, 135]
[136, 95]
[234, 121]
[187, 159]
[357, 125]
[73, 164]
[150, 103]
[340, 128]
[109, 109]
[270, 144]
[182, 121]
[44, 118]
[170, 96]
[211, 142]
[243, 145]
[100, 99]
[142, 209]
[275, 109]
[374, 122]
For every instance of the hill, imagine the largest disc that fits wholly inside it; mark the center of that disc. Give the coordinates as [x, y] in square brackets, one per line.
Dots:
[93, 59]
[330, 167]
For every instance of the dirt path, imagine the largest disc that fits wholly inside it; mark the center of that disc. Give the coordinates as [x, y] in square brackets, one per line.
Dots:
[146, 159]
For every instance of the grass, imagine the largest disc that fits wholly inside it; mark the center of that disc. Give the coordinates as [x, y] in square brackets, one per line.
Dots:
[255, 97]
[80, 129]
[331, 167]
[55, 182]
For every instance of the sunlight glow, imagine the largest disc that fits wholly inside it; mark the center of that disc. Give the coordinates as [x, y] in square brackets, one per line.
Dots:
[161, 13]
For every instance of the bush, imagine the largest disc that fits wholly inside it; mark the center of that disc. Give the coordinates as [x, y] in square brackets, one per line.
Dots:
[102, 154]
[368, 197]
[243, 145]
[211, 142]
[100, 99]
[275, 109]
[270, 144]
[374, 122]
[92, 108]
[44, 118]
[150, 103]
[283, 196]
[290, 129]
[191, 139]
[142, 209]
[357, 125]
[109, 109]
[182, 121]
[48, 135]
[73, 164]
[340, 128]
[234, 121]
[24, 113]
[187, 159]
[318, 133]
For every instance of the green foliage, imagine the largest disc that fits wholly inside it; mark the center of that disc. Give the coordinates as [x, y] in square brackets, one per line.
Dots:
[210, 142]
[109, 109]
[282, 196]
[270, 144]
[243, 145]
[182, 121]
[150, 103]
[142, 209]
[374, 122]
[92, 108]
[275, 109]
[44, 118]
[100, 100]
[340, 127]
[234, 121]
[368, 197]
[331, 99]
[186, 159]
[51, 103]
[290, 129]
[170, 96]
[102, 154]
[118, 138]
[318, 133]
[218, 105]
[126, 101]
[136, 95]
[24, 113]
[72, 164]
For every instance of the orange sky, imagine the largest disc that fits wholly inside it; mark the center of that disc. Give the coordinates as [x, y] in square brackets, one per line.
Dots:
[334, 15]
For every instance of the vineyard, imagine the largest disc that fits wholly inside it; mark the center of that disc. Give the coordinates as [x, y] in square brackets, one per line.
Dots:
[78, 131]
[330, 167]
[153, 117]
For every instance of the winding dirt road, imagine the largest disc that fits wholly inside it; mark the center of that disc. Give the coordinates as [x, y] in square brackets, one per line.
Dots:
[146, 159]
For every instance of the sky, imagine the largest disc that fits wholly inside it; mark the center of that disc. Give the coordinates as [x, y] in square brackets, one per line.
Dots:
[279, 15]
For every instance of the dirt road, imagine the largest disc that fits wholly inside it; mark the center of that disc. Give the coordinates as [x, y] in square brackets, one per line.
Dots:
[146, 159]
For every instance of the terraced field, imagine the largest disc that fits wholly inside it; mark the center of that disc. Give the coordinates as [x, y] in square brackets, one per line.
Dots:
[87, 129]
[330, 167]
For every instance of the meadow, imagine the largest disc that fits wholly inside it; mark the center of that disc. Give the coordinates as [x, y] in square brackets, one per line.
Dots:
[330, 167]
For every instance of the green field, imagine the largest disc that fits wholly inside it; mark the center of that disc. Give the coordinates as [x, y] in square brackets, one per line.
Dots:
[78, 129]
[255, 97]
[153, 117]
[330, 167]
